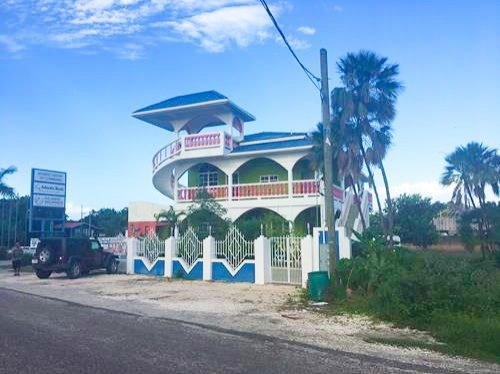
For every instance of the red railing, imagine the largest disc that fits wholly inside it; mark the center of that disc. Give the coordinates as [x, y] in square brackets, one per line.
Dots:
[202, 140]
[190, 193]
[305, 187]
[256, 190]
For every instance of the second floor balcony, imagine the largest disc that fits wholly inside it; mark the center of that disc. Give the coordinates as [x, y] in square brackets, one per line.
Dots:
[194, 146]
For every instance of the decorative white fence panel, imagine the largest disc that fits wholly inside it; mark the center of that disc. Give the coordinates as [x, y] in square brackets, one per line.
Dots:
[151, 248]
[286, 262]
[189, 247]
[235, 248]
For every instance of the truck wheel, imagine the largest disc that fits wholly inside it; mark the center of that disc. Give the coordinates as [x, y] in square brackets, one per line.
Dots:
[112, 267]
[43, 274]
[45, 256]
[75, 270]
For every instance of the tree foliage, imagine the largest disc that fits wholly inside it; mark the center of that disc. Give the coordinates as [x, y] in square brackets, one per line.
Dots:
[414, 220]
[109, 222]
[206, 216]
[5, 190]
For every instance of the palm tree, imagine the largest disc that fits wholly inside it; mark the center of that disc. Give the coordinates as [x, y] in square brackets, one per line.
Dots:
[170, 217]
[471, 168]
[5, 190]
[348, 161]
[373, 88]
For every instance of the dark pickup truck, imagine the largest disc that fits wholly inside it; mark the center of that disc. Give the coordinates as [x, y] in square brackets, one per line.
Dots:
[74, 256]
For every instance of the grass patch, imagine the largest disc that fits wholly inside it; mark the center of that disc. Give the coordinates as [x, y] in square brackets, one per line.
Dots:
[456, 299]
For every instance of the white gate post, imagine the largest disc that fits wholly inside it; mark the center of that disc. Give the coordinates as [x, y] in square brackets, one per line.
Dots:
[344, 243]
[262, 260]
[208, 256]
[131, 253]
[306, 256]
[170, 248]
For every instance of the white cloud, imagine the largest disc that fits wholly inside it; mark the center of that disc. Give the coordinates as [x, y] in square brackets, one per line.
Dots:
[11, 44]
[432, 189]
[75, 211]
[214, 25]
[306, 30]
[216, 30]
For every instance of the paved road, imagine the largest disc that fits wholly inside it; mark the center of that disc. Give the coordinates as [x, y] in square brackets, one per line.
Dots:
[41, 335]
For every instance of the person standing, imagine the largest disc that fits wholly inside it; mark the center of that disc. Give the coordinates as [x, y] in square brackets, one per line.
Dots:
[17, 255]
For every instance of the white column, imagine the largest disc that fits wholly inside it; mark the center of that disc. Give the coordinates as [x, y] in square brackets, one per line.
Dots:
[131, 252]
[262, 248]
[208, 256]
[170, 249]
[317, 231]
[230, 186]
[290, 182]
[344, 243]
[306, 253]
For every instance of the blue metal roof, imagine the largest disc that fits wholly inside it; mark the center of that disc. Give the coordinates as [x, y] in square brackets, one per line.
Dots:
[267, 135]
[194, 98]
[273, 145]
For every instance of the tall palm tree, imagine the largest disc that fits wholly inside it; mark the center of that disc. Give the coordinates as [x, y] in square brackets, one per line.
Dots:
[471, 168]
[5, 190]
[373, 87]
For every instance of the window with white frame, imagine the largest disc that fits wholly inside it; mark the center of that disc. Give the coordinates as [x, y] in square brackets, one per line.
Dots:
[268, 178]
[208, 175]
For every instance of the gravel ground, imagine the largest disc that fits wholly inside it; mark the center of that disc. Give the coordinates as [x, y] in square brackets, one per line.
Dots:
[238, 306]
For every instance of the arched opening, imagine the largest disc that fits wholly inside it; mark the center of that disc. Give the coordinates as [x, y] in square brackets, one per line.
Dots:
[255, 221]
[306, 220]
[199, 123]
[304, 178]
[303, 169]
[202, 177]
[260, 177]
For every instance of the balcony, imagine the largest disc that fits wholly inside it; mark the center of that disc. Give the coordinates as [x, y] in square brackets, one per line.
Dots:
[300, 188]
[192, 146]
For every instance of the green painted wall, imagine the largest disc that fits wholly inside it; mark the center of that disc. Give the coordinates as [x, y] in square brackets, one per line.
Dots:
[253, 169]
[193, 176]
[302, 170]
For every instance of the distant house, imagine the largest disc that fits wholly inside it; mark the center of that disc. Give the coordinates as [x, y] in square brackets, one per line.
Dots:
[446, 223]
[75, 228]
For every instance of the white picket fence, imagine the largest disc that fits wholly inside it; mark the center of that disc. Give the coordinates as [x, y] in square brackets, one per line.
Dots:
[151, 248]
[235, 248]
[189, 247]
[286, 262]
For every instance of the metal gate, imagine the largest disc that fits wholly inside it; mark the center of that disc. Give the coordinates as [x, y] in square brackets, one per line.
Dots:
[189, 247]
[150, 247]
[286, 264]
[234, 248]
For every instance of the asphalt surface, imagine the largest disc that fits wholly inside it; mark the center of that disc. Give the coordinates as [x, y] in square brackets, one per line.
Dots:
[43, 335]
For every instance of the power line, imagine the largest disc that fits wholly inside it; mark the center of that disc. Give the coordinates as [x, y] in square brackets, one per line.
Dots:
[314, 79]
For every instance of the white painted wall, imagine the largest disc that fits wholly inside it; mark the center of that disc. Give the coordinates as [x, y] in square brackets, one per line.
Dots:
[144, 211]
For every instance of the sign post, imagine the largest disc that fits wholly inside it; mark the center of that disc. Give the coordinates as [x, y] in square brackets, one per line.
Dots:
[47, 213]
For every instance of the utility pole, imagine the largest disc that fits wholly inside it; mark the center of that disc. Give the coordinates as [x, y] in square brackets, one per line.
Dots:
[328, 162]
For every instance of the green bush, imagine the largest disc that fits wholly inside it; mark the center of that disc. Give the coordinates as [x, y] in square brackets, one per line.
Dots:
[420, 289]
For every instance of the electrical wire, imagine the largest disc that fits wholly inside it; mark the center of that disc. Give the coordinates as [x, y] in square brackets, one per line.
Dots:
[313, 78]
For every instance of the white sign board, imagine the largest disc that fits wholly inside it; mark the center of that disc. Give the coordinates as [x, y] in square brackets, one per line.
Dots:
[49, 176]
[49, 188]
[47, 201]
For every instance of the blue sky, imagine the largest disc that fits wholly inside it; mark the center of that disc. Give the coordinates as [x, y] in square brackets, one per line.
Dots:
[72, 72]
